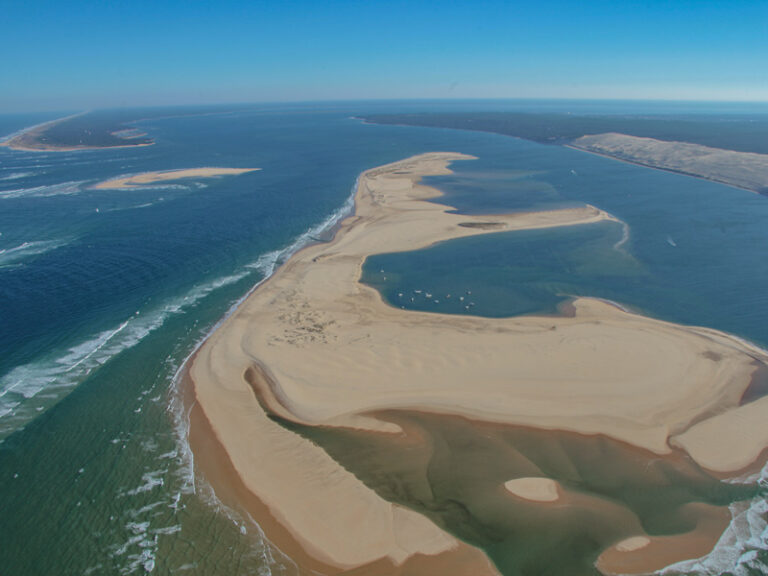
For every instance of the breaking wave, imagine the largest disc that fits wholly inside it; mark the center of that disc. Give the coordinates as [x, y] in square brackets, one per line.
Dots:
[16, 176]
[13, 256]
[29, 389]
[266, 265]
[62, 189]
[739, 550]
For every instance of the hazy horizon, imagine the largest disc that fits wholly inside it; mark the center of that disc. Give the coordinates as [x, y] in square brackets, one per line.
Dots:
[92, 55]
[555, 105]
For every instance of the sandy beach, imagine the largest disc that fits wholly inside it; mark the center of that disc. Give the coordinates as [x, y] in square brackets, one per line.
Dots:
[314, 346]
[145, 178]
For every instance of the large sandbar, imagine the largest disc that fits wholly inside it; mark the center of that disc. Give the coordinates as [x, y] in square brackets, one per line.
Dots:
[314, 345]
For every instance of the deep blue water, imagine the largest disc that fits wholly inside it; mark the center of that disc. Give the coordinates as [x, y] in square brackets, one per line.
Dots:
[104, 293]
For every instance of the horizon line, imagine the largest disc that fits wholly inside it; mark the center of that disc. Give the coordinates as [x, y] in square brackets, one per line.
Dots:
[326, 101]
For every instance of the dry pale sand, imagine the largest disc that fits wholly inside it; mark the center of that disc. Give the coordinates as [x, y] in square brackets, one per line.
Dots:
[314, 345]
[534, 489]
[145, 178]
[746, 170]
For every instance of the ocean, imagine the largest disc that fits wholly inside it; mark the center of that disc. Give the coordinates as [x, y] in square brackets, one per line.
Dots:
[105, 293]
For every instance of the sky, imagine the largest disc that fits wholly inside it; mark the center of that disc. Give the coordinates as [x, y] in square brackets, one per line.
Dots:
[87, 54]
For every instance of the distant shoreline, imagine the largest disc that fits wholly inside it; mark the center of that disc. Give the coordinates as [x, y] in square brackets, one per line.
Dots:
[28, 139]
[662, 169]
[741, 169]
[630, 149]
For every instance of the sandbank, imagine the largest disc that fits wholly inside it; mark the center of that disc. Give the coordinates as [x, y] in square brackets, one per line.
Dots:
[315, 346]
[533, 489]
[145, 178]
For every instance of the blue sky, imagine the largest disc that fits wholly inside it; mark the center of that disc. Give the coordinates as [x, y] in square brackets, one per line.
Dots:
[79, 54]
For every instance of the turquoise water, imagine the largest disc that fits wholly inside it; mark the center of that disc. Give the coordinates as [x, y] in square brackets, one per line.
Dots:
[103, 294]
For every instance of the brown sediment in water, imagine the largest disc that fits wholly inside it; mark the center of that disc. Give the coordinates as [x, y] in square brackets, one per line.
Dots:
[321, 351]
[655, 553]
[454, 471]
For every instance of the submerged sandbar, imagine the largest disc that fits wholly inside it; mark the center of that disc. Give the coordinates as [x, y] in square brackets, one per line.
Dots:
[146, 178]
[314, 346]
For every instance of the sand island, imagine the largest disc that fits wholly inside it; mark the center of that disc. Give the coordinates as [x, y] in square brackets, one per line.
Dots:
[149, 178]
[301, 395]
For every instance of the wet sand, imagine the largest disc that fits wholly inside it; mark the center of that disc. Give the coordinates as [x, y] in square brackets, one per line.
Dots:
[314, 347]
[146, 178]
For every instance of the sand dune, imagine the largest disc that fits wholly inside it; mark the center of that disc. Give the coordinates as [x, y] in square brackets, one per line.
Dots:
[315, 346]
[741, 169]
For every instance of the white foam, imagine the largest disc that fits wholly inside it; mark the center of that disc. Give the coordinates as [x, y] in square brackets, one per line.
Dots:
[266, 264]
[168, 530]
[737, 550]
[16, 254]
[61, 189]
[16, 176]
[145, 509]
[52, 377]
[150, 481]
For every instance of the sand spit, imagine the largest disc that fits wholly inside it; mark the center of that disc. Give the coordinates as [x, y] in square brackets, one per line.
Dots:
[148, 178]
[315, 346]
[31, 139]
[745, 170]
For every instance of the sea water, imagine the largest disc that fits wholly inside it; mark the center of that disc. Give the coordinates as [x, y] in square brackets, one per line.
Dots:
[104, 294]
